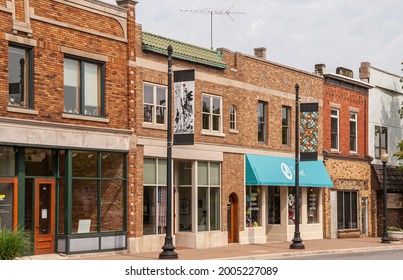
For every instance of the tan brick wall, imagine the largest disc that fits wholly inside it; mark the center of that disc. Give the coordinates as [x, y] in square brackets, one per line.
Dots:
[349, 175]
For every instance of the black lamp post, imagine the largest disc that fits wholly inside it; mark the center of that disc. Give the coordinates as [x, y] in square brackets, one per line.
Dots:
[297, 241]
[384, 159]
[168, 248]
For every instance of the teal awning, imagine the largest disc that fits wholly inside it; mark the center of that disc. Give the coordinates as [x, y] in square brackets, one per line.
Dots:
[280, 171]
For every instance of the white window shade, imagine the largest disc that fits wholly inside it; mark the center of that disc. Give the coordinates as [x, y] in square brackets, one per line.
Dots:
[91, 88]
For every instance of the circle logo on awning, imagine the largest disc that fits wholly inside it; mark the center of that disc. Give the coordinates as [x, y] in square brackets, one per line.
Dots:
[286, 171]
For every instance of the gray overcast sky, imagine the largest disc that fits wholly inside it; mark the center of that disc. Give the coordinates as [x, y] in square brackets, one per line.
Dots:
[296, 33]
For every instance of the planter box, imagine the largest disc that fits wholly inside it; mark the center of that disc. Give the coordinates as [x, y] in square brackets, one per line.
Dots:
[395, 235]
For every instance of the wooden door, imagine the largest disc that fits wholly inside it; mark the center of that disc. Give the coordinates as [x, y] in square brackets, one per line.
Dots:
[44, 216]
[232, 218]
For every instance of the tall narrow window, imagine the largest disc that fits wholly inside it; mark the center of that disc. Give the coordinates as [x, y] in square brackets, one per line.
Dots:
[232, 118]
[381, 140]
[353, 132]
[20, 83]
[285, 125]
[154, 104]
[347, 210]
[83, 87]
[154, 196]
[261, 118]
[211, 119]
[334, 129]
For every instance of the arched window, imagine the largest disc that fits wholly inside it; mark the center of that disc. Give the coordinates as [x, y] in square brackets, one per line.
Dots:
[232, 118]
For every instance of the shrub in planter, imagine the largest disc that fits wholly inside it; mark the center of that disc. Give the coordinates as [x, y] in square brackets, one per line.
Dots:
[14, 244]
[395, 233]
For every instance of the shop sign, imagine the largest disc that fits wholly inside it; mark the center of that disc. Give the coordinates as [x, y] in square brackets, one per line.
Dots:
[2, 197]
[394, 200]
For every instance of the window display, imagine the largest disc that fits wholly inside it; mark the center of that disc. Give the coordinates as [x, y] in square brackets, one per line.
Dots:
[313, 209]
[253, 203]
[291, 206]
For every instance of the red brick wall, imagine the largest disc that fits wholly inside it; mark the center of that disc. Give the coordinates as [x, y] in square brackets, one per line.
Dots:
[346, 98]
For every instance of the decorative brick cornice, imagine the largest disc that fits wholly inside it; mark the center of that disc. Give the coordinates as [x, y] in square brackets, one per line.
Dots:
[126, 3]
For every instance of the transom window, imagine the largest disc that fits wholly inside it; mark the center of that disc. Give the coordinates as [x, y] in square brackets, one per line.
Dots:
[381, 140]
[20, 80]
[83, 87]
[335, 129]
[353, 132]
[211, 113]
[154, 98]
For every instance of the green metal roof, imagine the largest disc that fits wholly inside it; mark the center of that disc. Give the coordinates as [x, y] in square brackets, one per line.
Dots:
[183, 51]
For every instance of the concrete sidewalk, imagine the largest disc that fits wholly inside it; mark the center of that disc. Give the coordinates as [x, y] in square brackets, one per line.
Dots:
[270, 250]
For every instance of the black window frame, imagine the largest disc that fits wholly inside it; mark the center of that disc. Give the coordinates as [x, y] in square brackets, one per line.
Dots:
[30, 55]
[102, 72]
[337, 134]
[286, 126]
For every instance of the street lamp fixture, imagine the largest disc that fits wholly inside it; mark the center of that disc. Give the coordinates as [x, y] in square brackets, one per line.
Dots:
[384, 159]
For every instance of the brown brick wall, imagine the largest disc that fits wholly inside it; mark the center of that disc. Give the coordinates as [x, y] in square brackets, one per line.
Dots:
[395, 216]
[48, 62]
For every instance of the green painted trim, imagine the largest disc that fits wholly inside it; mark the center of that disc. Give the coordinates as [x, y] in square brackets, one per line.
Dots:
[184, 57]
[99, 186]
[61, 148]
[98, 178]
[21, 187]
[68, 193]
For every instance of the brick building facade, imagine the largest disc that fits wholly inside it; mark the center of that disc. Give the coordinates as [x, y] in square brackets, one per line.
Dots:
[213, 206]
[65, 119]
[349, 206]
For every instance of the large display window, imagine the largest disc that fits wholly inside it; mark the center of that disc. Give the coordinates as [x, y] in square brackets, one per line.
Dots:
[253, 206]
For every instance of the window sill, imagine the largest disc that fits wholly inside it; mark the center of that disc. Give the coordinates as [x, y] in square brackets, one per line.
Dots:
[234, 131]
[85, 118]
[215, 134]
[354, 154]
[335, 151]
[154, 126]
[22, 110]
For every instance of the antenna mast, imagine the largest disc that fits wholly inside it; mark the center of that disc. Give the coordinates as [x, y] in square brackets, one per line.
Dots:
[212, 12]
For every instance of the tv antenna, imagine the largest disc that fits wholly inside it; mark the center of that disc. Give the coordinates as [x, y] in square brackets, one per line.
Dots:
[212, 12]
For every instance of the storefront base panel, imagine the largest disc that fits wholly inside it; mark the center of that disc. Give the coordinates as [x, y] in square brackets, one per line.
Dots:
[202, 240]
[90, 244]
[252, 236]
[151, 243]
[281, 233]
[349, 234]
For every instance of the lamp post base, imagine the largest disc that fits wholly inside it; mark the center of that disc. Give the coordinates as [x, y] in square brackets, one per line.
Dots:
[297, 242]
[168, 252]
[385, 239]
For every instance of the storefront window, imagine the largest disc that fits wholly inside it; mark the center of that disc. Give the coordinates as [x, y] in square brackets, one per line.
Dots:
[154, 198]
[313, 205]
[112, 199]
[274, 205]
[6, 205]
[85, 164]
[84, 206]
[253, 205]
[7, 162]
[347, 210]
[208, 196]
[185, 208]
[38, 162]
[291, 206]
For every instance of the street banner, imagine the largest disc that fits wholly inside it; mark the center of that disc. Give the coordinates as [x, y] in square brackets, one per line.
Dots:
[308, 131]
[184, 88]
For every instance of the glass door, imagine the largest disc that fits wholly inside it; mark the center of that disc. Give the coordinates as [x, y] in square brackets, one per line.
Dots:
[44, 216]
[8, 203]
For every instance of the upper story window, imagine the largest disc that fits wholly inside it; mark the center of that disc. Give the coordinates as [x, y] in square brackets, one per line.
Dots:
[334, 129]
[83, 87]
[232, 118]
[353, 132]
[261, 120]
[381, 140]
[285, 125]
[20, 76]
[154, 99]
[211, 120]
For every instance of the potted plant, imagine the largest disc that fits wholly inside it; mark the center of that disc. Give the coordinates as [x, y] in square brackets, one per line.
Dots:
[14, 244]
[395, 233]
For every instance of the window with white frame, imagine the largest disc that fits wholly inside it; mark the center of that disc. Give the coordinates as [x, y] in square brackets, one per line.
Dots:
[232, 118]
[211, 111]
[84, 81]
[334, 129]
[381, 140]
[208, 196]
[154, 196]
[353, 132]
[154, 100]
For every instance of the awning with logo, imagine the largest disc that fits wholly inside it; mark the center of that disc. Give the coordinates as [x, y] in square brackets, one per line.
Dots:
[280, 171]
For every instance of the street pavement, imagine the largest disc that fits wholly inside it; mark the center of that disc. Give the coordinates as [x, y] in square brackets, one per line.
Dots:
[269, 250]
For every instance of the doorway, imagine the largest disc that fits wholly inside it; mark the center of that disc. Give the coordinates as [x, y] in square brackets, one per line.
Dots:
[364, 216]
[44, 236]
[232, 218]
